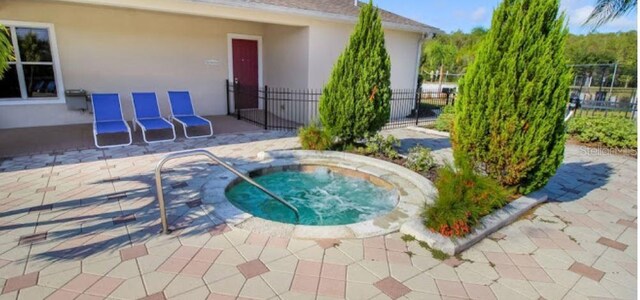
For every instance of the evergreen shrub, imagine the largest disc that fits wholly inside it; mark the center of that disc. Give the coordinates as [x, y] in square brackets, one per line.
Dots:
[512, 100]
[355, 101]
[445, 120]
[464, 197]
[313, 137]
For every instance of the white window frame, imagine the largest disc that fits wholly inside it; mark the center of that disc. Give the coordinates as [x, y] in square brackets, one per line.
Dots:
[55, 58]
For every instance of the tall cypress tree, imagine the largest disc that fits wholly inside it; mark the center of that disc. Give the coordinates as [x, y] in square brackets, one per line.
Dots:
[355, 101]
[509, 116]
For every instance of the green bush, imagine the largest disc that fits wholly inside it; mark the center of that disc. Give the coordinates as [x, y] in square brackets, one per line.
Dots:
[420, 159]
[510, 109]
[464, 197]
[378, 144]
[612, 132]
[444, 122]
[313, 137]
[355, 100]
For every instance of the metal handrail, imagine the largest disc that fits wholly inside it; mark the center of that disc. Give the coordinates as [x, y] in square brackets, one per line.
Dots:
[175, 155]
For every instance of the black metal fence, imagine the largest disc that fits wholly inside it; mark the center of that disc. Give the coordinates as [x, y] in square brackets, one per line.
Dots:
[290, 109]
[607, 109]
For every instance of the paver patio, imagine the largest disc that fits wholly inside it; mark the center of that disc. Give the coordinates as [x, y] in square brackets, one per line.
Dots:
[84, 225]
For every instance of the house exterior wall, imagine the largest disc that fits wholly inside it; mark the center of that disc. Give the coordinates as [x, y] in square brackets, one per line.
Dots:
[286, 56]
[105, 49]
[109, 49]
[401, 46]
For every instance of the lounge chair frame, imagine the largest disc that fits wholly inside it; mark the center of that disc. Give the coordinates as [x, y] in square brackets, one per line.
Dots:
[95, 121]
[184, 125]
[144, 129]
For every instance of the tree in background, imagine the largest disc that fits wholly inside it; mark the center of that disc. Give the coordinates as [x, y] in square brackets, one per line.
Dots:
[510, 110]
[454, 52]
[355, 101]
[608, 10]
[6, 50]
[592, 48]
[438, 55]
[605, 48]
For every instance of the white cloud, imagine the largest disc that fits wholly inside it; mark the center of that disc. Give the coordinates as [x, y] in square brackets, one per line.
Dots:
[479, 14]
[620, 24]
[579, 15]
[578, 12]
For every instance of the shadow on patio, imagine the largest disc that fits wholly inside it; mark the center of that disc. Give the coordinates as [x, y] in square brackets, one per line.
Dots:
[576, 179]
[78, 228]
[58, 139]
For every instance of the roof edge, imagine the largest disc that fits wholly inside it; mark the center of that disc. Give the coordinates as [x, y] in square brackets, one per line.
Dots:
[149, 5]
[319, 15]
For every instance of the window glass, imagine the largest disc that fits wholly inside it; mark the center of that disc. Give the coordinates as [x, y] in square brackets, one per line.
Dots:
[33, 44]
[40, 81]
[9, 86]
[32, 74]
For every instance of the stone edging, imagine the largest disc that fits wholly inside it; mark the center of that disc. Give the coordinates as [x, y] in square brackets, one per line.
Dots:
[429, 131]
[488, 225]
[414, 192]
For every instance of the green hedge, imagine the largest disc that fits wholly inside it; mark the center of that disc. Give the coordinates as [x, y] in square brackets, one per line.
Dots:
[611, 132]
[444, 122]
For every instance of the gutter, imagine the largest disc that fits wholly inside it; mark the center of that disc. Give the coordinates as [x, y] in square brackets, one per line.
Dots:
[316, 15]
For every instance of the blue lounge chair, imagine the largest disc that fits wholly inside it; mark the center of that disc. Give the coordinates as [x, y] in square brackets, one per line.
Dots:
[107, 117]
[182, 111]
[147, 115]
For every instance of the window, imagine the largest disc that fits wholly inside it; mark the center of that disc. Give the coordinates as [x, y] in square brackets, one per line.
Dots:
[34, 74]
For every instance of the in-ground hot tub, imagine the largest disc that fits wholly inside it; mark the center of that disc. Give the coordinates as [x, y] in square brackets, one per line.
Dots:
[338, 195]
[323, 195]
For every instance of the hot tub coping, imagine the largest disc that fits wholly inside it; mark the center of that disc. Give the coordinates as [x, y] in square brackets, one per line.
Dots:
[414, 192]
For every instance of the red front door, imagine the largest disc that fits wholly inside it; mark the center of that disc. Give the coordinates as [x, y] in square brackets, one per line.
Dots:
[245, 72]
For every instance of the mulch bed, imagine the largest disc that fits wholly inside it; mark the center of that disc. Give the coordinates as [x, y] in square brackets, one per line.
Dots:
[432, 174]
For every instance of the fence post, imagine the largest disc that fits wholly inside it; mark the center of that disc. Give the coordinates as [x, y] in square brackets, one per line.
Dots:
[418, 100]
[236, 92]
[266, 109]
[228, 101]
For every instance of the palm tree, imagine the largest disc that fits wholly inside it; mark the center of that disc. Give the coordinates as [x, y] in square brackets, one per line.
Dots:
[6, 51]
[607, 10]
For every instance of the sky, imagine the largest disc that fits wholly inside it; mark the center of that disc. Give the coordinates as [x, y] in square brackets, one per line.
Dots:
[451, 15]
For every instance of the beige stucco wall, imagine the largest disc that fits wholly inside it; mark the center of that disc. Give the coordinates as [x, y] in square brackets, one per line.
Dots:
[327, 40]
[286, 56]
[107, 49]
[121, 50]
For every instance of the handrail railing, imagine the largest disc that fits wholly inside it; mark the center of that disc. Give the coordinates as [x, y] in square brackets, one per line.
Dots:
[175, 155]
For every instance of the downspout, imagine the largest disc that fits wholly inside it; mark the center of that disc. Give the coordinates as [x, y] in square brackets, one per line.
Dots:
[423, 37]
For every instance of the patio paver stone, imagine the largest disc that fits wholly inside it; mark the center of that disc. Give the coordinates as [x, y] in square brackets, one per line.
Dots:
[20, 282]
[133, 252]
[586, 271]
[32, 238]
[305, 284]
[252, 268]
[613, 244]
[392, 287]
